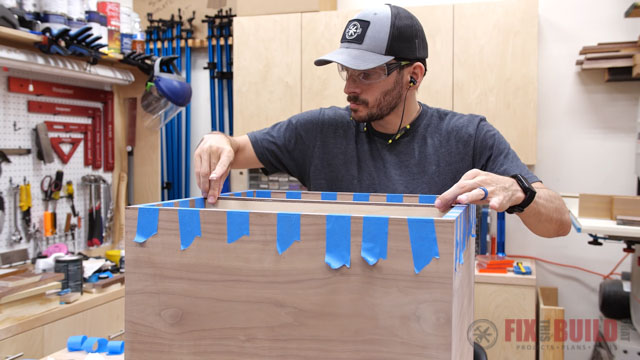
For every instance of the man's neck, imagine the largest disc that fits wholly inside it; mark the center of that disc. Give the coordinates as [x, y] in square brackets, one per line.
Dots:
[391, 123]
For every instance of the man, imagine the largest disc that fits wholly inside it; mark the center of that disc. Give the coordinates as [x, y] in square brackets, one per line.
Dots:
[385, 141]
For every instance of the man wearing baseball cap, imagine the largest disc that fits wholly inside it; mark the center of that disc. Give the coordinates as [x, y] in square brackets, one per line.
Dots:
[385, 141]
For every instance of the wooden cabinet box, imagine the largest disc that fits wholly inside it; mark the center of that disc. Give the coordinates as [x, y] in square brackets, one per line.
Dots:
[232, 281]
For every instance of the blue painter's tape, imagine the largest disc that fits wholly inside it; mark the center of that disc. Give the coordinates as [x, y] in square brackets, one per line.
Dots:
[189, 221]
[147, 223]
[294, 195]
[338, 241]
[395, 198]
[237, 194]
[95, 345]
[74, 343]
[329, 196]
[115, 348]
[375, 232]
[167, 204]
[264, 194]
[199, 203]
[248, 193]
[427, 199]
[185, 203]
[424, 243]
[288, 230]
[575, 223]
[237, 225]
[364, 197]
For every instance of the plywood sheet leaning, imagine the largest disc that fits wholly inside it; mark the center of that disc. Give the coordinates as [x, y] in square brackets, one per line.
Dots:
[232, 292]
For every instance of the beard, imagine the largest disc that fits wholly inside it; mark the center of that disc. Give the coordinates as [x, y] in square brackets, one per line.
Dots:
[385, 103]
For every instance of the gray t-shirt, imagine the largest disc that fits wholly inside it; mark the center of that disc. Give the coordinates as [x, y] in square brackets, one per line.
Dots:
[326, 151]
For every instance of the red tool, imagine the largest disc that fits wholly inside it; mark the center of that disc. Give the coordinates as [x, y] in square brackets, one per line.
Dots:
[55, 144]
[34, 87]
[91, 132]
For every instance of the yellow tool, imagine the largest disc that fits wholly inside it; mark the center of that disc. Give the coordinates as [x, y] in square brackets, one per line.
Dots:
[25, 204]
[69, 191]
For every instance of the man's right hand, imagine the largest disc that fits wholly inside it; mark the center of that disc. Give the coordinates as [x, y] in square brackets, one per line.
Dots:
[212, 161]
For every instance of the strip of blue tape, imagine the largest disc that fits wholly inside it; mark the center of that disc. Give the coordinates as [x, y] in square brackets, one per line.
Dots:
[199, 203]
[364, 197]
[288, 231]
[189, 221]
[294, 195]
[264, 194]
[329, 196]
[95, 345]
[395, 198]
[338, 241]
[115, 348]
[74, 343]
[147, 223]
[237, 225]
[427, 199]
[168, 204]
[248, 193]
[375, 234]
[186, 203]
[424, 243]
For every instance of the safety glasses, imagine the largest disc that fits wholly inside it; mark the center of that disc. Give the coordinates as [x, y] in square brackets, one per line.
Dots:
[370, 75]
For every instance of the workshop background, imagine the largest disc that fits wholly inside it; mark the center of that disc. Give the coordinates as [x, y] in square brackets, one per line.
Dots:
[587, 141]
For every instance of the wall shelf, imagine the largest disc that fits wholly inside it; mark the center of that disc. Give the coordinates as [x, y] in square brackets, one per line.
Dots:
[620, 60]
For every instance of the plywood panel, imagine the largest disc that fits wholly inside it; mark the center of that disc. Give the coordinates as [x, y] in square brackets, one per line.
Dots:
[321, 32]
[549, 312]
[266, 70]
[243, 300]
[498, 303]
[495, 68]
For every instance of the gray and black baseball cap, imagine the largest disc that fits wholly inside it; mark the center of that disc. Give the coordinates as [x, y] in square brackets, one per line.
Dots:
[377, 35]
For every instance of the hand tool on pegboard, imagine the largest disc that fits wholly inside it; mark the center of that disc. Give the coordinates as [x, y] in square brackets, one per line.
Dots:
[94, 214]
[16, 236]
[56, 142]
[132, 108]
[35, 87]
[70, 195]
[91, 153]
[49, 185]
[43, 144]
[86, 129]
[25, 205]
[3, 159]
[2, 212]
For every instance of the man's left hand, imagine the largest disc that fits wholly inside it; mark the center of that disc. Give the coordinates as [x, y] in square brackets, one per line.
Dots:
[501, 191]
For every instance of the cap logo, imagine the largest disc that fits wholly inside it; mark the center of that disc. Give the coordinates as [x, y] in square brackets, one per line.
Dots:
[355, 31]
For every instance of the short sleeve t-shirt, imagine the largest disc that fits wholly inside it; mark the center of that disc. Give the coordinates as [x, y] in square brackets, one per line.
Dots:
[327, 151]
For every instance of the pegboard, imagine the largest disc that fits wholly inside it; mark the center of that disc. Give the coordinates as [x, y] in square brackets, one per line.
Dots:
[17, 131]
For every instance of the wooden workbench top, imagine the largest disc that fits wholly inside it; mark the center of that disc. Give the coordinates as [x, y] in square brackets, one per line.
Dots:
[20, 316]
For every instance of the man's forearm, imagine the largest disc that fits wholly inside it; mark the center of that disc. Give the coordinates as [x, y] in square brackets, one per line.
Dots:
[547, 216]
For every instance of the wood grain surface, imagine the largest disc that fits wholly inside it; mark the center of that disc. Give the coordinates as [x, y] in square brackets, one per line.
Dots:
[244, 301]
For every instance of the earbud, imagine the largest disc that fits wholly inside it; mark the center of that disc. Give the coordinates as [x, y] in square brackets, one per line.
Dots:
[412, 81]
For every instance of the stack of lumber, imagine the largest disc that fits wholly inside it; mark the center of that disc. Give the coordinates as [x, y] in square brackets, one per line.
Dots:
[621, 60]
[26, 284]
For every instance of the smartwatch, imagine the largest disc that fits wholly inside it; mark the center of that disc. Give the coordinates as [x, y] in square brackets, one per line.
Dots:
[529, 194]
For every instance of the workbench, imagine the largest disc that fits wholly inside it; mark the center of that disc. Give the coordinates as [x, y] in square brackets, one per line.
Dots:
[39, 326]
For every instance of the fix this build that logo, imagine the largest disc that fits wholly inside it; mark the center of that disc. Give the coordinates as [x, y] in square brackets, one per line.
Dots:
[525, 334]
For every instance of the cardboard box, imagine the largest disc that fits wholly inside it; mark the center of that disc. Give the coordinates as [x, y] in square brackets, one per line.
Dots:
[266, 278]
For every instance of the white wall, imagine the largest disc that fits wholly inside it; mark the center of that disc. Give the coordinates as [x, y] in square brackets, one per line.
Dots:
[586, 137]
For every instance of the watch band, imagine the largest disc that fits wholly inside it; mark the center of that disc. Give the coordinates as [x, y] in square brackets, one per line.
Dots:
[529, 194]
